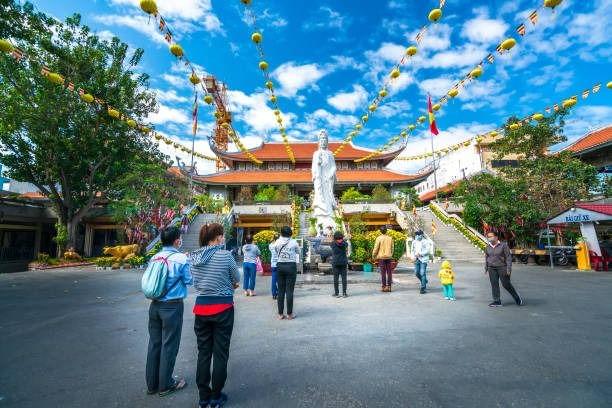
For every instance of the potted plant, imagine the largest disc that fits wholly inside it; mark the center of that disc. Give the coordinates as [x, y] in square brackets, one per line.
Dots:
[263, 239]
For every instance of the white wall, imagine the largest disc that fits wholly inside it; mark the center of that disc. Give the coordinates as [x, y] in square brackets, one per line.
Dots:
[218, 192]
[453, 167]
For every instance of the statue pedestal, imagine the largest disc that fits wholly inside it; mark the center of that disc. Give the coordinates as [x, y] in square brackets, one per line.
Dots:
[320, 252]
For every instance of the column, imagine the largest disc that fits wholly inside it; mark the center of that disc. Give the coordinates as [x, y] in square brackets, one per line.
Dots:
[587, 229]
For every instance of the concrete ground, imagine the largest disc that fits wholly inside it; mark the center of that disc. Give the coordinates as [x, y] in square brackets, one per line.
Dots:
[78, 339]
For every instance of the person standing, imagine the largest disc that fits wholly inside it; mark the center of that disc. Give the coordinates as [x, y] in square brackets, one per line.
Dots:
[215, 277]
[383, 253]
[339, 249]
[249, 265]
[288, 253]
[447, 278]
[166, 317]
[273, 262]
[421, 251]
[498, 264]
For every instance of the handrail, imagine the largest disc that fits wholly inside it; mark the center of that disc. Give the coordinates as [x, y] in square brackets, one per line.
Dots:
[186, 211]
[455, 217]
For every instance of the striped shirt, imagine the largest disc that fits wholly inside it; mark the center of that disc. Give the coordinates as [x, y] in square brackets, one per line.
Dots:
[214, 273]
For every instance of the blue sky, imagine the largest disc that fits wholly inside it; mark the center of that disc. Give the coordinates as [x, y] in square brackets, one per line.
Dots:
[329, 58]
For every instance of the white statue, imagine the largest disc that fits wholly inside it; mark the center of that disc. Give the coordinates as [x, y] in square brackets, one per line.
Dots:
[324, 178]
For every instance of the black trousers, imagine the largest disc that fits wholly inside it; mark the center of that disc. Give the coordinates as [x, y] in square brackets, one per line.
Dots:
[213, 334]
[287, 274]
[496, 274]
[165, 327]
[339, 270]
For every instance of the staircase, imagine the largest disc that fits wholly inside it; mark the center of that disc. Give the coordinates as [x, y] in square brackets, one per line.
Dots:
[454, 246]
[192, 237]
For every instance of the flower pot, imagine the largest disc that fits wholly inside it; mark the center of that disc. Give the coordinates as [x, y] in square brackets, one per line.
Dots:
[267, 269]
[367, 267]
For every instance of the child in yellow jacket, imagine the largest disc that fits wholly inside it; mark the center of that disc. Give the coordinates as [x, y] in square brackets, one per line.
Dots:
[447, 278]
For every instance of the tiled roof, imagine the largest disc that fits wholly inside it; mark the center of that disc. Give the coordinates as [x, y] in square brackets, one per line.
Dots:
[591, 140]
[430, 195]
[600, 208]
[305, 177]
[301, 151]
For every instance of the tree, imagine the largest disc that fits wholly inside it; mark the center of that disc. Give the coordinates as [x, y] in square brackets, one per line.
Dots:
[542, 184]
[380, 193]
[411, 196]
[72, 151]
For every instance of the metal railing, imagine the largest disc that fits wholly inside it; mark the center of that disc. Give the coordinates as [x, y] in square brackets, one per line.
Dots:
[176, 220]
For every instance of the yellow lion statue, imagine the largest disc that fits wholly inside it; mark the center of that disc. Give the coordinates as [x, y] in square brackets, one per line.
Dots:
[71, 254]
[122, 253]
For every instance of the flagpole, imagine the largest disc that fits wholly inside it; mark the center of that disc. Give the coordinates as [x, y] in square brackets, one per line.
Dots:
[433, 158]
[194, 131]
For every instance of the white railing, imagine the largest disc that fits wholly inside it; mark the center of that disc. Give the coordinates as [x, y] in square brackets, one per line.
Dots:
[460, 220]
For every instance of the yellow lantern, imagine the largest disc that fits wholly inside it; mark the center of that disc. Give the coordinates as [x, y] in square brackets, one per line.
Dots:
[269, 85]
[411, 127]
[453, 92]
[176, 50]
[514, 126]
[263, 65]
[364, 118]
[382, 93]
[194, 79]
[131, 123]
[395, 73]
[436, 107]
[158, 136]
[479, 139]
[176, 145]
[6, 46]
[246, 2]
[208, 99]
[493, 133]
[358, 126]
[538, 117]
[372, 108]
[218, 114]
[256, 37]
[404, 133]
[411, 50]
[552, 3]
[353, 134]
[113, 113]
[168, 141]
[568, 103]
[609, 85]
[145, 130]
[476, 72]
[273, 98]
[422, 119]
[508, 43]
[434, 15]
[55, 78]
[148, 6]
[279, 120]
[277, 112]
[87, 98]
[225, 125]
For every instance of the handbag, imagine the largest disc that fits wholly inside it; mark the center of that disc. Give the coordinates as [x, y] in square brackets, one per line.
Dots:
[258, 266]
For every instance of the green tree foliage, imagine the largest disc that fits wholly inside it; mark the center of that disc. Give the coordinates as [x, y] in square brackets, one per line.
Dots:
[352, 194]
[411, 196]
[380, 193]
[74, 152]
[208, 204]
[265, 193]
[521, 197]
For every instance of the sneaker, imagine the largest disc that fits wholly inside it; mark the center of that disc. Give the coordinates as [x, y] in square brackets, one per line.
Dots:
[220, 402]
[344, 295]
[273, 297]
[178, 385]
[246, 293]
[422, 291]
[446, 297]
[204, 404]
[453, 299]
[389, 288]
[335, 295]
[519, 301]
[495, 304]
[384, 289]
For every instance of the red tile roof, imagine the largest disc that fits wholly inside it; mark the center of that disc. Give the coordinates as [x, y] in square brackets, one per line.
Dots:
[600, 208]
[591, 140]
[430, 195]
[301, 151]
[305, 177]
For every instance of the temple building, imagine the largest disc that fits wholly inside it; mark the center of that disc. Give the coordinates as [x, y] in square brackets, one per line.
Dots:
[277, 169]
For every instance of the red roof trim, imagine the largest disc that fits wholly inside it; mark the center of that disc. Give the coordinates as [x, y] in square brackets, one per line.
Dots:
[592, 140]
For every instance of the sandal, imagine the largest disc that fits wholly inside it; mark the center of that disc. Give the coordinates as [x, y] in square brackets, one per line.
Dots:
[177, 386]
[291, 316]
[282, 317]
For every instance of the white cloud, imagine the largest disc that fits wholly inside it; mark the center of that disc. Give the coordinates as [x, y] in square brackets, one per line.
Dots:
[166, 114]
[394, 109]
[255, 113]
[349, 101]
[466, 55]
[484, 30]
[139, 23]
[326, 17]
[399, 84]
[437, 37]
[177, 81]
[436, 87]
[294, 78]
[169, 96]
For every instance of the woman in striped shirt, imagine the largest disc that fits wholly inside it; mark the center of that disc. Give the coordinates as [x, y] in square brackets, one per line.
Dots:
[215, 277]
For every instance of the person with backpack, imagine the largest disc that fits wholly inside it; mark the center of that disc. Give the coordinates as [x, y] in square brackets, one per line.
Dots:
[165, 283]
[249, 265]
[288, 255]
[215, 277]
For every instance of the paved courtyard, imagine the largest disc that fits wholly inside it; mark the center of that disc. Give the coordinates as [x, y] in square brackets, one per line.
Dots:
[78, 339]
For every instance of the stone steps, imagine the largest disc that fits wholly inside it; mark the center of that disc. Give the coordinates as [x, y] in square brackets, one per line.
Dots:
[191, 240]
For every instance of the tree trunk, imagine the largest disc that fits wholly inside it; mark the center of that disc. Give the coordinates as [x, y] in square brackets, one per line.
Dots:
[71, 227]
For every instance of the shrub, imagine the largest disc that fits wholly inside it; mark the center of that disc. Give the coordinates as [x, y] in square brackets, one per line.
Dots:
[356, 225]
[137, 261]
[359, 255]
[208, 204]
[282, 193]
[43, 258]
[352, 194]
[380, 193]
[265, 193]
[264, 237]
[399, 241]
[104, 261]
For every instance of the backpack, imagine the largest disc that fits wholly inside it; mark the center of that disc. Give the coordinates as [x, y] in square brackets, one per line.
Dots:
[153, 282]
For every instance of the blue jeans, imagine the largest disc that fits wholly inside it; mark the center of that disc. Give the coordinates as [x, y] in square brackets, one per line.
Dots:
[249, 270]
[274, 281]
[420, 270]
[448, 291]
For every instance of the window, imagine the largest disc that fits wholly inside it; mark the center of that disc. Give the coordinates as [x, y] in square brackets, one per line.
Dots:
[504, 163]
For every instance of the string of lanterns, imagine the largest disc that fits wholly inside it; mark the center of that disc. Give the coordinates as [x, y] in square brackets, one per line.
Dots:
[537, 116]
[433, 16]
[502, 48]
[58, 79]
[196, 78]
[257, 38]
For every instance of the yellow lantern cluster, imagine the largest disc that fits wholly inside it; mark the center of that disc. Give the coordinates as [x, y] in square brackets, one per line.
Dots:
[568, 103]
[434, 15]
[55, 78]
[609, 85]
[6, 46]
[552, 3]
[476, 72]
[88, 98]
[538, 117]
[194, 78]
[514, 126]
[508, 43]
[453, 92]
[148, 6]
[114, 113]
[176, 50]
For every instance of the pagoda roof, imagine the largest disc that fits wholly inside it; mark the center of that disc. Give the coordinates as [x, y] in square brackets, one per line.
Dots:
[304, 176]
[303, 151]
[592, 141]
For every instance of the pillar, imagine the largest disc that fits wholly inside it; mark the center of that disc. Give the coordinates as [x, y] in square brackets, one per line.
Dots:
[587, 229]
[87, 248]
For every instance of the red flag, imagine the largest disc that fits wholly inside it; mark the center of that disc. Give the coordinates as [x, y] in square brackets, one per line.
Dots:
[432, 119]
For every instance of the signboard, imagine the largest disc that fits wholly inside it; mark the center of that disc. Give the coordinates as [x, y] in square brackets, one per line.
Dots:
[579, 215]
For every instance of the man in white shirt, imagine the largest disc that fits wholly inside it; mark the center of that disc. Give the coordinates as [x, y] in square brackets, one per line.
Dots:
[421, 251]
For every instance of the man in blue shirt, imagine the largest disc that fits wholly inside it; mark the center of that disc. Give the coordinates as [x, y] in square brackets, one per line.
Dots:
[166, 318]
